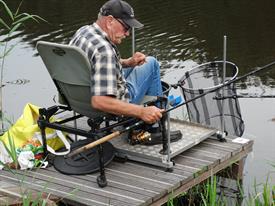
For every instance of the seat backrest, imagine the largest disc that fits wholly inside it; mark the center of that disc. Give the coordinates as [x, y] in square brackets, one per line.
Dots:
[69, 68]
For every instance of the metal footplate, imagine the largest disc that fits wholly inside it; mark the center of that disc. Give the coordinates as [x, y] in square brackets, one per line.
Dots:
[192, 134]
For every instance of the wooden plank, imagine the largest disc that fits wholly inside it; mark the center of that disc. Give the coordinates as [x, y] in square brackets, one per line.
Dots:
[233, 148]
[186, 168]
[185, 172]
[13, 195]
[4, 201]
[216, 147]
[90, 185]
[88, 182]
[213, 150]
[5, 184]
[195, 158]
[68, 193]
[143, 183]
[192, 163]
[207, 153]
[145, 172]
[203, 176]
[228, 143]
[195, 154]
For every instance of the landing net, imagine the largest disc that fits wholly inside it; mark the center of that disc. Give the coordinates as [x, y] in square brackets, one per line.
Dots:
[207, 110]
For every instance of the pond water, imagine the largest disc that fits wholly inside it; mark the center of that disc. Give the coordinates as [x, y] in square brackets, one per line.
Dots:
[180, 34]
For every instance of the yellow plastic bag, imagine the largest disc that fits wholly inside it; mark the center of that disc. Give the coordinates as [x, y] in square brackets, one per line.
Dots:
[26, 129]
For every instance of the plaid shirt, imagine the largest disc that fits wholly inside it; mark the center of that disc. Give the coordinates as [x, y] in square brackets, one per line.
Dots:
[106, 69]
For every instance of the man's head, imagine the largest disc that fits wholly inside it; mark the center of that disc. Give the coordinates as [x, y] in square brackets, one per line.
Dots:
[118, 18]
[121, 10]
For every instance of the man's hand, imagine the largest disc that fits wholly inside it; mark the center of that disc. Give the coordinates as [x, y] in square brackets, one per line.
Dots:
[151, 114]
[137, 59]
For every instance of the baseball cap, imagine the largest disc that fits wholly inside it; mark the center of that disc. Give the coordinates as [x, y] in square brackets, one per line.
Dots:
[121, 10]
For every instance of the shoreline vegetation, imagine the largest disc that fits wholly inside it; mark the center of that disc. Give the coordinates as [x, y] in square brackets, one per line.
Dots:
[212, 192]
[205, 194]
[10, 24]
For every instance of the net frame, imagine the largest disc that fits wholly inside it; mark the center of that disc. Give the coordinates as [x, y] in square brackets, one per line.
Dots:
[203, 110]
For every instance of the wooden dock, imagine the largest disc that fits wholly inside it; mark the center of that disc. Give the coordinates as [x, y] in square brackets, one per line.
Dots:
[131, 183]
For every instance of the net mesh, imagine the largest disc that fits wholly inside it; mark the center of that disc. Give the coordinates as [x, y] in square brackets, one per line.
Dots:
[207, 110]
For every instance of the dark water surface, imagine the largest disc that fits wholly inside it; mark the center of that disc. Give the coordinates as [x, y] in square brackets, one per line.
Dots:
[179, 33]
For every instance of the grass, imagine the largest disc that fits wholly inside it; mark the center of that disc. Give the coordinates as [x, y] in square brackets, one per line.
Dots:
[205, 194]
[14, 21]
[28, 198]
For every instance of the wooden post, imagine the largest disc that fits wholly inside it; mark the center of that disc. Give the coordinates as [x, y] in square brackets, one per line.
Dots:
[234, 171]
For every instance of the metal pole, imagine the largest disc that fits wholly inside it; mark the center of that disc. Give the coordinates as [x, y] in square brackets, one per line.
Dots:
[223, 81]
[133, 40]
[75, 126]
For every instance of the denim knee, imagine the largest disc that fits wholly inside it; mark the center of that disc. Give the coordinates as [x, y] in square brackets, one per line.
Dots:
[154, 64]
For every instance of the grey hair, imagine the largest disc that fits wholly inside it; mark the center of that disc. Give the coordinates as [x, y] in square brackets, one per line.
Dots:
[99, 16]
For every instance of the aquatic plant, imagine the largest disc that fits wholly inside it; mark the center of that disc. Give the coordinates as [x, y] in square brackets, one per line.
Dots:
[10, 148]
[206, 194]
[263, 196]
[12, 153]
[13, 23]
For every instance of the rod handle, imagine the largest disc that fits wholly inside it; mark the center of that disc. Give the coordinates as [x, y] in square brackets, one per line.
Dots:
[95, 143]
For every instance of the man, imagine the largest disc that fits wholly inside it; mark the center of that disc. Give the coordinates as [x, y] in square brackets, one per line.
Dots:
[118, 85]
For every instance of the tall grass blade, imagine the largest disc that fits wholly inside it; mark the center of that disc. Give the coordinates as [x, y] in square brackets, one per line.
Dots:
[18, 8]
[25, 16]
[213, 191]
[11, 150]
[266, 195]
[204, 201]
[272, 164]
[44, 203]
[4, 24]
[12, 146]
[9, 50]
[27, 200]
[7, 168]
[273, 195]
[14, 28]
[2, 163]
[23, 19]
[7, 10]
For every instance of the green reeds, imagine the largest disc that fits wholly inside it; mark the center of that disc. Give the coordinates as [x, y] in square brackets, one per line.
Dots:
[11, 149]
[205, 194]
[209, 196]
[13, 23]
[263, 196]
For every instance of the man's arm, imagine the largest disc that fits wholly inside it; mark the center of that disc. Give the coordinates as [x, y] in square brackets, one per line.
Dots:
[112, 105]
[137, 59]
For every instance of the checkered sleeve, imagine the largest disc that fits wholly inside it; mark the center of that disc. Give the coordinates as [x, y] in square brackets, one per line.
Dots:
[103, 78]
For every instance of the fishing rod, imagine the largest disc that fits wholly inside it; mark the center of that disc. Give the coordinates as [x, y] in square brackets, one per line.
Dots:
[244, 96]
[221, 86]
[104, 139]
[117, 133]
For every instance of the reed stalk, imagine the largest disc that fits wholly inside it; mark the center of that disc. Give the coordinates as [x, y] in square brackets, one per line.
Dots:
[15, 20]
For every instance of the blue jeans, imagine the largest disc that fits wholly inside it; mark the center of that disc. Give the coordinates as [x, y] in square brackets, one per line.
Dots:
[143, 80]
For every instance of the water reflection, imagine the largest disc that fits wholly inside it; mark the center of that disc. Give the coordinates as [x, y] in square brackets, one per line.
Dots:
[173, 27]
[174, 30]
